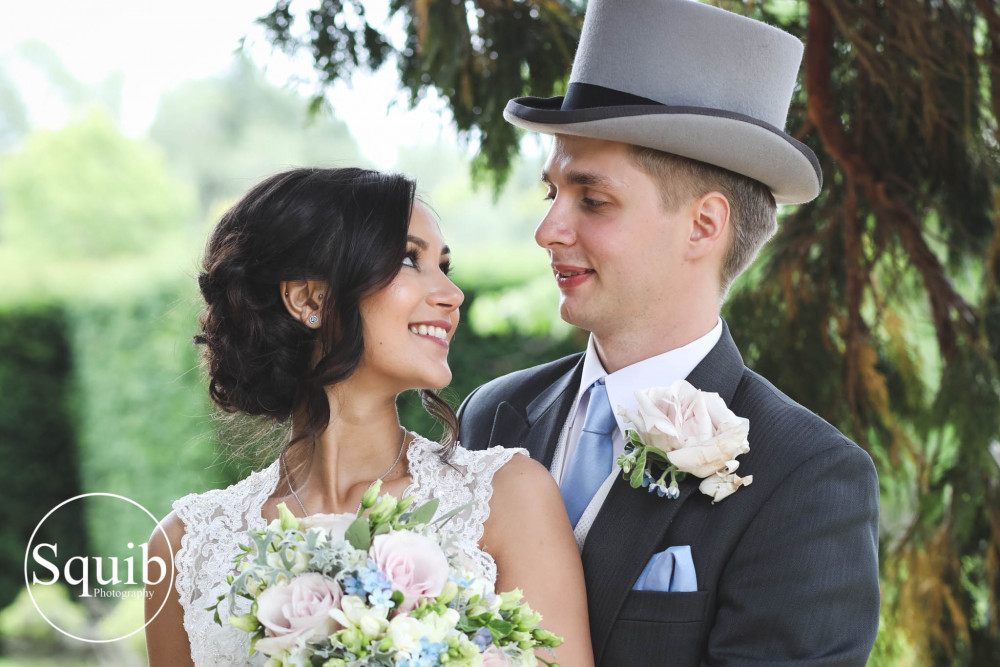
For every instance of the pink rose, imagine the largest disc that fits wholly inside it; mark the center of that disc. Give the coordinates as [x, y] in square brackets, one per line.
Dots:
[494, 657]
[335, 525]
[697, 431]
[414, 563]
[297, 610]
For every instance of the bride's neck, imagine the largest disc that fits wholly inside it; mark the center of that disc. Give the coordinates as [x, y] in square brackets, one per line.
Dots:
[360, 443]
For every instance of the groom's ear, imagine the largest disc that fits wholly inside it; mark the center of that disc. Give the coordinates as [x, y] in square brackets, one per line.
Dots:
[709, 216]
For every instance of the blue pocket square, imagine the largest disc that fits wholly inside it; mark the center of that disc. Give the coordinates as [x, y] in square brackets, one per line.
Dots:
[669, 571]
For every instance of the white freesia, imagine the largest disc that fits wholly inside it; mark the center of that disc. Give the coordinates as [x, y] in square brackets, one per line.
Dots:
[406, 631]
[439, 626]
[723, 484]
[354, 612]
[696, 430]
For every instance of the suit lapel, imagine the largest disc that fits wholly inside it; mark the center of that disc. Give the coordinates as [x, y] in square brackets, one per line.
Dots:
[547, 414]
[633, 523]
[537, 428]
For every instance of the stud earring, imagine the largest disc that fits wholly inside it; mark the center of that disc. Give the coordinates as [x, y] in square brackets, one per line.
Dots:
[321, 296]
[313, 319]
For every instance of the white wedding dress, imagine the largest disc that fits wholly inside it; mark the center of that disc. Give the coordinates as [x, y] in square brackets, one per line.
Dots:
[215, 523]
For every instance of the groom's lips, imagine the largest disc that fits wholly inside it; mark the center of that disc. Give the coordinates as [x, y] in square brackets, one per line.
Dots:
[568, 275]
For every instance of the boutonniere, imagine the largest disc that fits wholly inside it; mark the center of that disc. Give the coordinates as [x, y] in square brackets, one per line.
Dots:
[679, 430]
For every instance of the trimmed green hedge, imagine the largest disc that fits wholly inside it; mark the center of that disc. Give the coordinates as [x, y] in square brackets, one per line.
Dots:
[38, 453]
[141, 409]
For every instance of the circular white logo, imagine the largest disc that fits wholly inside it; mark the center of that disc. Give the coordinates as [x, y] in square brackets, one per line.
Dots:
[120, 575]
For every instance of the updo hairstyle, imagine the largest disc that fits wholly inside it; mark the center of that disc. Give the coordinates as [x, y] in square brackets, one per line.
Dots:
[347, 227]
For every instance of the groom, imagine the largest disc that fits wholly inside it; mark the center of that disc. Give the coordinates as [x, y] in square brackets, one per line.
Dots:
[667, 163]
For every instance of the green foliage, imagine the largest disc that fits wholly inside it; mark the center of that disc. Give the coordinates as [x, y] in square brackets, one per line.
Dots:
[87, 191]
[24, 629]
[141, 406]
[475, 55]
[37, 437]
[226, 133]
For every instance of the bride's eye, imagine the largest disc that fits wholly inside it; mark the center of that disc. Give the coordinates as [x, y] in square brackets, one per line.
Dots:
[410, 259]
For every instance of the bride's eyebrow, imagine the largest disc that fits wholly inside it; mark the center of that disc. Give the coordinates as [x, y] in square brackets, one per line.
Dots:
[422, 244]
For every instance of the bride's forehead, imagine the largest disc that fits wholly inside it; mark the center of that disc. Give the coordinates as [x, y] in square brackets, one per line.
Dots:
[424, 225]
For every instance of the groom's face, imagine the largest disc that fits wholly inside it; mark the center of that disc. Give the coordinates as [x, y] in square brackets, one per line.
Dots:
[617, 253]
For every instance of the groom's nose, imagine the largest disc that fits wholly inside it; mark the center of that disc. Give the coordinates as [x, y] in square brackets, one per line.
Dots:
[555, 229]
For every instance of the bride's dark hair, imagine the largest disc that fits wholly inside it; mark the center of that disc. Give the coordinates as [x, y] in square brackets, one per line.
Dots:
[344, 226]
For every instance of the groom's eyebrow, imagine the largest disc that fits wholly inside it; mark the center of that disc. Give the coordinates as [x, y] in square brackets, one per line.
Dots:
[586, 178]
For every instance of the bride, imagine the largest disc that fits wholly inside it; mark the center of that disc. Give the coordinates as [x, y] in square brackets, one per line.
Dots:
[326, 295]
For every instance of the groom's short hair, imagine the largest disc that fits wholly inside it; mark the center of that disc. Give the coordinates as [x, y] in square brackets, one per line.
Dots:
[753, 214]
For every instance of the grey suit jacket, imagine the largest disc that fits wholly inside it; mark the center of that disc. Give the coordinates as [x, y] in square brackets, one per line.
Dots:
[787, 567]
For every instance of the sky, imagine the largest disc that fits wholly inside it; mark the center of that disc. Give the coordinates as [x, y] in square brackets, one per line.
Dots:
[157, 45]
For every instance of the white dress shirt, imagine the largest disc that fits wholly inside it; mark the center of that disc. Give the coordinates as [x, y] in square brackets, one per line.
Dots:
[661, 370]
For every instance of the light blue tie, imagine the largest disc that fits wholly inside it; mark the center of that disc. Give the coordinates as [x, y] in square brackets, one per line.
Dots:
[591, 461]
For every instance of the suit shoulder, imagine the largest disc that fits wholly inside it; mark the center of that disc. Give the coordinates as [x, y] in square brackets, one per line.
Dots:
[520, 386]
[789, 423]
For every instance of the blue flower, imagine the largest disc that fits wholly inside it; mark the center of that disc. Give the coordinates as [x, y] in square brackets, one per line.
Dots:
[381, 598]
[428, 655]
[352, 586]
[373, 579]
[482, 638]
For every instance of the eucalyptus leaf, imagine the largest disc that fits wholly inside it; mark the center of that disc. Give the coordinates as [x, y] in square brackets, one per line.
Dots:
[424, 513]
[359, 534]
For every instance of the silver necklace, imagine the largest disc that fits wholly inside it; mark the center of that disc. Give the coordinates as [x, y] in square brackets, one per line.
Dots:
[288, 480]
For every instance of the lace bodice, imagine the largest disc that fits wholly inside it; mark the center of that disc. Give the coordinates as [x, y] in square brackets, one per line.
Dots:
[215, 523]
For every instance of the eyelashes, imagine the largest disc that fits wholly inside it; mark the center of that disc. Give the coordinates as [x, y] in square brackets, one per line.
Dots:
[412, 259]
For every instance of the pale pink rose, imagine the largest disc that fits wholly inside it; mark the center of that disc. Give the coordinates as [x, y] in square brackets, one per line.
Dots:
[335, 525]
[697, 431]
[298, 609]
[494, 657]
[415, 564]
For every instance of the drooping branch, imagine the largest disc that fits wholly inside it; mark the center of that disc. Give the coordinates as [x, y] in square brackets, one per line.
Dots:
[822, 110]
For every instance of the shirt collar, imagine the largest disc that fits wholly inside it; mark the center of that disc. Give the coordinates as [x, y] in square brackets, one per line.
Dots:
[659, 371]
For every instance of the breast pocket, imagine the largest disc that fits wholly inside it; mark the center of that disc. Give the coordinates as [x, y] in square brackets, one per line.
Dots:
[656, 628]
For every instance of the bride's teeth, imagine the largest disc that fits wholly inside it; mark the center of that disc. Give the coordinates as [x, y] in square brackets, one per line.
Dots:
[413, 329]
[422, 329]
[439, 332]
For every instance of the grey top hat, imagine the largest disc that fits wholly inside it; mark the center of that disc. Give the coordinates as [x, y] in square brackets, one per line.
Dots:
[688, 79]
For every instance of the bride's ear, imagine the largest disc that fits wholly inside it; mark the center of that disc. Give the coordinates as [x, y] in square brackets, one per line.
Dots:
[304, 299]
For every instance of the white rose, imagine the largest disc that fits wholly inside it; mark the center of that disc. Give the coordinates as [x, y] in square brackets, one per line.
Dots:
[695, 428]
[405, 632]
[334, 525]
[723, 484]
[355, 612]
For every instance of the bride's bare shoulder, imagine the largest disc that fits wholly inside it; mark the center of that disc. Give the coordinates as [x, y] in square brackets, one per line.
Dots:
[523, 486]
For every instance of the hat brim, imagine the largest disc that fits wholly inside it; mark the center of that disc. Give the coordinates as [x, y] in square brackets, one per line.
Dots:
[739, 143]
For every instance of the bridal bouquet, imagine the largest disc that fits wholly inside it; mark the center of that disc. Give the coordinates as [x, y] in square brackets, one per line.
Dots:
[339, 590]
